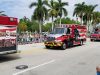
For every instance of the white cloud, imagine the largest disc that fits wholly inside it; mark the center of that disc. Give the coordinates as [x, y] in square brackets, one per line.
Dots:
[20, 8]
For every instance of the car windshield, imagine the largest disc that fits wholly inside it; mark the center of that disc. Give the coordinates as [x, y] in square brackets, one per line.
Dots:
[59, 30]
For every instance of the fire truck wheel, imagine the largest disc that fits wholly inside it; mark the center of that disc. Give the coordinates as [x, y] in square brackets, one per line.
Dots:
[71, 44]
[92, 40]
[63, 46]
[47, 47]
[81, 42]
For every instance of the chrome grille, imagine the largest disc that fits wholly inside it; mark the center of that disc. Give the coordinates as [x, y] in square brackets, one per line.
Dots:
[50, 38]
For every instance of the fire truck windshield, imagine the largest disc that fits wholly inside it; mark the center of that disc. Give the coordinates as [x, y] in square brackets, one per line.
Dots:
[97, 32]
[59, 30]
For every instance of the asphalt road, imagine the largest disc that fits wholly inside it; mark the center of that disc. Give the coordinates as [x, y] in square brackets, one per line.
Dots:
[79, 60]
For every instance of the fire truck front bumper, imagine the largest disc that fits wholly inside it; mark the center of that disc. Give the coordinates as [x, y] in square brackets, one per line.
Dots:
[53, 44]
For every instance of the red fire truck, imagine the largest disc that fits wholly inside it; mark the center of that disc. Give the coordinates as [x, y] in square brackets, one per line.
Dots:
[95, 35]
[8, 37]
[66, 35]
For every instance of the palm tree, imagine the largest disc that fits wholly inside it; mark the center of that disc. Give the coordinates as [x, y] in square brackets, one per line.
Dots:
[61, 10]
[2, 13]
[40, 13]
[52, 11]
[22, 27]
[89, 12]
[85, 12]
[96, 18]
[79, 10]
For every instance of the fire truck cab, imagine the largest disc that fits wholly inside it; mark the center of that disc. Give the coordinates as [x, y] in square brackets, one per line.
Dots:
[66, 35]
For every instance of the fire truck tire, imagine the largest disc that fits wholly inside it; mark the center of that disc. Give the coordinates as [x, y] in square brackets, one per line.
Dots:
[47, 47]
[81, 42]
[71, 44]
[91, 39]
[63, 47]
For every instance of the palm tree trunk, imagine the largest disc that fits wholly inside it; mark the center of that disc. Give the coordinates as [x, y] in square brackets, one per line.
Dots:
[60, 21]
[77, 19]
[82, 20]
[57, 22]
[87, 25]
[52, 23]
[81, 17]
[40, 29]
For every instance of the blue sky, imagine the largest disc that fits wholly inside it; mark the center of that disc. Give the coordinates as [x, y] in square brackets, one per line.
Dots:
[20, 8]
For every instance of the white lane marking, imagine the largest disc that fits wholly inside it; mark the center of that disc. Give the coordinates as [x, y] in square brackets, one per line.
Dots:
[34, 67]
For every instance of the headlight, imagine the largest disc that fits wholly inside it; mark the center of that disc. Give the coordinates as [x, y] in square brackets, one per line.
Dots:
[57, 40]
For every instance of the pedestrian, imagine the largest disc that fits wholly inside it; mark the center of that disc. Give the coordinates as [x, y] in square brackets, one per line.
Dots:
[98, 70]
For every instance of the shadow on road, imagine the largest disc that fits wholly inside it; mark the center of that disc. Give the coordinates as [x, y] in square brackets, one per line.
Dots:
[58, 48]
[6, 58]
